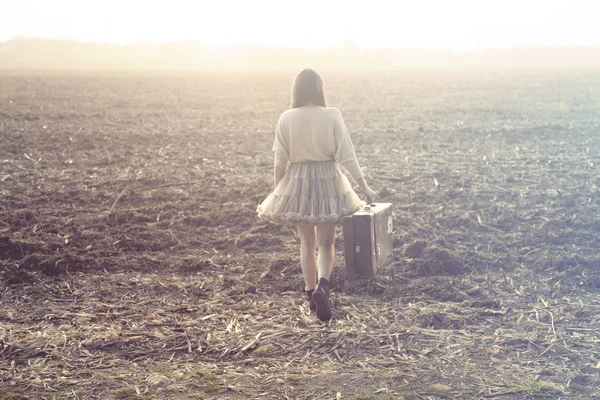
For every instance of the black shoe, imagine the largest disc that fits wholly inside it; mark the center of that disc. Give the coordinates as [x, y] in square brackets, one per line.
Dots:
[311, 303]
[321, 299]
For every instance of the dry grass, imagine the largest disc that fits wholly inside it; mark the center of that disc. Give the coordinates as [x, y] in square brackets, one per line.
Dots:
[133, 266]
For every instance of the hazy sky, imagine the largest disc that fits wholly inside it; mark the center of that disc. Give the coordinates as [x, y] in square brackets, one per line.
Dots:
[456, 24]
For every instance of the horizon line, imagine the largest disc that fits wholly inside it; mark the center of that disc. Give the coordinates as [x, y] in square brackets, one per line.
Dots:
[350, 44]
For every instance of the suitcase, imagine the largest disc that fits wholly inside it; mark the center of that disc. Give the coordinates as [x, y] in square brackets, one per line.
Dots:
[368, 240]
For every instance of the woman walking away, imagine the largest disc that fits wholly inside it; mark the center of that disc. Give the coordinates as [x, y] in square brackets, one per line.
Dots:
[311, 192]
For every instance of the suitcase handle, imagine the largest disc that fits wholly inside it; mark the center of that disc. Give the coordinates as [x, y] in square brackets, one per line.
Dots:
[368, 206]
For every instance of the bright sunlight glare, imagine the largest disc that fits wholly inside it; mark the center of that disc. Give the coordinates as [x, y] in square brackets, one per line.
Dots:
[458, 25]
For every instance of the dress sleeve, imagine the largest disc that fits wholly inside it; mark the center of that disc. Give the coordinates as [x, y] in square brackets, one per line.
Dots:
[344, 150]
[281, 145]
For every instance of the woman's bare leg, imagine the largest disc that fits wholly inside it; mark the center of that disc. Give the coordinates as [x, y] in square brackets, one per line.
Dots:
[320, 297]
[308, 259]
[326, 255]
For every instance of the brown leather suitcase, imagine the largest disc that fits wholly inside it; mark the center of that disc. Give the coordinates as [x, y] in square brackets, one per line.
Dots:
[368, 240]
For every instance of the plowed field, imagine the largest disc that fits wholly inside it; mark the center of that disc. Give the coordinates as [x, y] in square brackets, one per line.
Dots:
[133, 265]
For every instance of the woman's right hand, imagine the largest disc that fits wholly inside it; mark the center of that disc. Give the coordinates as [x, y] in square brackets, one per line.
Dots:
[369, 194]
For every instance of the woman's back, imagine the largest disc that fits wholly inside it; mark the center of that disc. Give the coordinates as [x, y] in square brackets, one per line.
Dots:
[315, 133]
[308, 133]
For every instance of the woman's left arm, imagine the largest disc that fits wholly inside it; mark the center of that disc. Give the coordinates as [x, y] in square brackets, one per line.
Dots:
[278, 174]
[282, 153]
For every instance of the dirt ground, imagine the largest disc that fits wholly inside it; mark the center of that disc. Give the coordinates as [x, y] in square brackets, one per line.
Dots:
[133, 265]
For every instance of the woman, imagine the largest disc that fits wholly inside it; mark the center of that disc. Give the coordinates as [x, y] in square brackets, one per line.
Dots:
[311, 192]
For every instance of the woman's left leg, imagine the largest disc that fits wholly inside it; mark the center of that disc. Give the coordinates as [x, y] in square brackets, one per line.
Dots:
[308, 248]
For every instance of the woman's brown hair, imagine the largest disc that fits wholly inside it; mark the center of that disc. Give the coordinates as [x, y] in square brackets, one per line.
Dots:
[308, 89]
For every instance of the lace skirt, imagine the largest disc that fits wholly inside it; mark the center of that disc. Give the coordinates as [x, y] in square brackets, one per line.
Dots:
[313, 192]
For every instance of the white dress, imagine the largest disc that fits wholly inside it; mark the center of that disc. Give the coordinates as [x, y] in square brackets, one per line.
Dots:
[313, 190]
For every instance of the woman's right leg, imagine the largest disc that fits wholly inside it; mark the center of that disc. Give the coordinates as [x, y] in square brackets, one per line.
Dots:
[308, 255]
[326, 241]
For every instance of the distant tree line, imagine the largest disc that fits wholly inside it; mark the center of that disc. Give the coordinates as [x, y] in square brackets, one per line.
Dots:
[34, 54]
